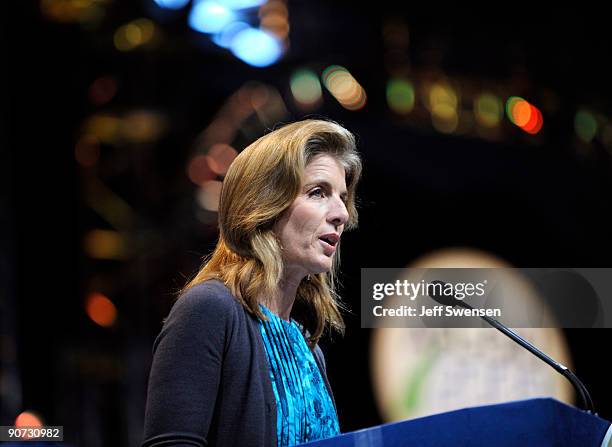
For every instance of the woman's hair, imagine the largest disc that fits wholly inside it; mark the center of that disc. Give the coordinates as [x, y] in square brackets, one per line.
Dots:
[261, 183]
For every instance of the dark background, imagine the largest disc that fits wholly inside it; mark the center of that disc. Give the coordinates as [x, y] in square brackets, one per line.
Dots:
[535, 201]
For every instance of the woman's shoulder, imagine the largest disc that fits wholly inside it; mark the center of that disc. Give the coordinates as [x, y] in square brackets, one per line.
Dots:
[209, 292]
[209, 298]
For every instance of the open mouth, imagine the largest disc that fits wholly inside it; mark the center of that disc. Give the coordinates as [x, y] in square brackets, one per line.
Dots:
[330, 239]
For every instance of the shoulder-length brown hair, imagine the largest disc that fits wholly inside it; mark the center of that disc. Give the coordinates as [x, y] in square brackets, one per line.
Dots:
[261, 183]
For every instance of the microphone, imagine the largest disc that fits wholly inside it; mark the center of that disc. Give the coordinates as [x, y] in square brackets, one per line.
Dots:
[585, 397]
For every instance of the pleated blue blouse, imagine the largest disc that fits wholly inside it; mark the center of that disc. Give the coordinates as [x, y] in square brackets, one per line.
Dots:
[305, 411]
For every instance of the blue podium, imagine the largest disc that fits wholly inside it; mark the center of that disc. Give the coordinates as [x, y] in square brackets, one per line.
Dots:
[527, 423]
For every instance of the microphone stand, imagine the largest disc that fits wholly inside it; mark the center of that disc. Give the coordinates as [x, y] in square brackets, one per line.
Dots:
[585, 397]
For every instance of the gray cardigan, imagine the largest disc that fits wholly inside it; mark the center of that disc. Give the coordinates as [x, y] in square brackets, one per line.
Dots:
[209, 383]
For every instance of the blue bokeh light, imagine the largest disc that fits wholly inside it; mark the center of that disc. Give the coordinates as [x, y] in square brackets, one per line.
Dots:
[226, 36]
[256, 47]
[171, 4]
[210, 17]
[241, 4]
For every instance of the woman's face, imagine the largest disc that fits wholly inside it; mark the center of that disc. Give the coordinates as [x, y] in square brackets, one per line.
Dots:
[309, 231]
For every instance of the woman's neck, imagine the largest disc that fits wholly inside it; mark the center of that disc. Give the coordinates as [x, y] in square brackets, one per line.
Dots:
[283, 298]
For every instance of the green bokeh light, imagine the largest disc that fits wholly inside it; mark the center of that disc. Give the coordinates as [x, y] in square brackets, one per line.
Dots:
[585, 125]
[400, 95]
[305, 87]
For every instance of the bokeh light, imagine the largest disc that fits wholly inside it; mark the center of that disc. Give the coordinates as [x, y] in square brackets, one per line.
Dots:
[400, 95]
[141, 126]
[274, 18]
[209, 195]
[306, 88]
[87, 150]
[442, 102]
[535, 122]
[524, 115]
[223, 128]
[488, 109]
[276, 24]
[227, 22]
[210, 17]
[256, 47]
[510, 105]
[199, 170]
[585, 125]
[257, 95]
[521, 113]
[344, 87]
[104, 244]
[241, 4]
[225, 37]
[171, 4]
[102, 90]
[134, 34]
[85, 12]
[220, 157]
[136, 126]
[105, 127]
[28, 419]
[100, 309]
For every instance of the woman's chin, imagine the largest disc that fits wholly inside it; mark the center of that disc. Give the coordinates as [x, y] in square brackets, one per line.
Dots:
[322, 268]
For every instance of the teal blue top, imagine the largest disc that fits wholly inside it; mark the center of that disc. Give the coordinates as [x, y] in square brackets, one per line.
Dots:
[305, 411]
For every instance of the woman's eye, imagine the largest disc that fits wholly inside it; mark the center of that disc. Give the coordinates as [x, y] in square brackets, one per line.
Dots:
[317, 192]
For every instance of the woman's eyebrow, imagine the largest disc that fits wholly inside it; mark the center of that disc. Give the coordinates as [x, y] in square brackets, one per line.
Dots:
[324, 183]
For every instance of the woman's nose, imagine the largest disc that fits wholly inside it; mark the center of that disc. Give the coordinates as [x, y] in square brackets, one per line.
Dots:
[338, 214]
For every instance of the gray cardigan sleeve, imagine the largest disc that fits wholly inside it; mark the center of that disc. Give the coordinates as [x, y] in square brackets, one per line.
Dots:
[320, 359]
[185, 373]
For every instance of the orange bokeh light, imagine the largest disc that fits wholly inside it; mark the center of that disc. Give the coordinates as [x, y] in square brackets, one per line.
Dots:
[199, 170]
[534, 125]
[220, 157]
[521, 113]
[28, 419]
[100, 309]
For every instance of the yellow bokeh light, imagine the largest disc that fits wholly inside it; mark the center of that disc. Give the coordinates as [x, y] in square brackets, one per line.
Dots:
[358, 101]
[488, 110]
[444, 111]
[141, 126]
[442, 94]
[343, 86]
[104, 244]
[134, 34]
[71, 11]
[103, 127]
[447, 123]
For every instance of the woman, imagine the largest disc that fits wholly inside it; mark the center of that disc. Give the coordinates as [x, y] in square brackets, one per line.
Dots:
[237, 361]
